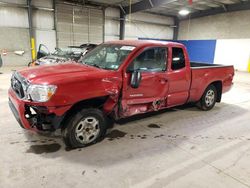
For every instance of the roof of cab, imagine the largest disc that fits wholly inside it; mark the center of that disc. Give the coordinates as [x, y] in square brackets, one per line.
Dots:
[138, 43]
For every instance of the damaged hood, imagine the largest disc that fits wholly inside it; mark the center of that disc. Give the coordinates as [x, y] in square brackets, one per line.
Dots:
[61, 73]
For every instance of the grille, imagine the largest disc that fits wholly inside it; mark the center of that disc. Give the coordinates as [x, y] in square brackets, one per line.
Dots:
[16, 85]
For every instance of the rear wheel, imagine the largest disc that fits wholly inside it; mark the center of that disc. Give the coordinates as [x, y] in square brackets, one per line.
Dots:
[208, 98]
[85, 128]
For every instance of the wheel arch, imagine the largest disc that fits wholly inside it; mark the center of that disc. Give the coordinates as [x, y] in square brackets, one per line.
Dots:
[218, 86]
[96, 102]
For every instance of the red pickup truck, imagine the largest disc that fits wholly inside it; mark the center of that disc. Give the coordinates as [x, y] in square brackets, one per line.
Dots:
[116, 80]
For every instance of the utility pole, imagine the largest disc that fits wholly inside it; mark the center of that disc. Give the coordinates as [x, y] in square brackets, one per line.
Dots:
[31, 32]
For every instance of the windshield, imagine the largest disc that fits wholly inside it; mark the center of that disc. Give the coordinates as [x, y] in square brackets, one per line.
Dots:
[107, 56]
[68, 52]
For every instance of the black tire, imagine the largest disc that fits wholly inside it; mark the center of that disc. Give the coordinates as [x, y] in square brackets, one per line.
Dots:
[204, 103]
[69, 129]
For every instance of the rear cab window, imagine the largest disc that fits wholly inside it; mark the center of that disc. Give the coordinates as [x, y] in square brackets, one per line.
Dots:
[178, 59]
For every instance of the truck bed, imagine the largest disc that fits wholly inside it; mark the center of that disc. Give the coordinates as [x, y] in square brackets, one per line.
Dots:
[203, 74]
[197, 65]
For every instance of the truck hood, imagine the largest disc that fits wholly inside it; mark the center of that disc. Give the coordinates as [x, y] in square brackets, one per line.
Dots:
[53, 73]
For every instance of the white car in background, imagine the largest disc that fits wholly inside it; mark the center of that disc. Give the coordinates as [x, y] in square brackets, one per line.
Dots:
[1, 61]
[61, 55]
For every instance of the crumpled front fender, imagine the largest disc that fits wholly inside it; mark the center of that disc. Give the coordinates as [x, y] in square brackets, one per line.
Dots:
[112, 88]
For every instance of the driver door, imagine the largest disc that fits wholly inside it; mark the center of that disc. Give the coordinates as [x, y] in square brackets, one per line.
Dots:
[151, 93]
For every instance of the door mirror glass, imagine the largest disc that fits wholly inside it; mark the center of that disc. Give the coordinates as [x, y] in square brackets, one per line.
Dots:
[42, 51]
[135, 79]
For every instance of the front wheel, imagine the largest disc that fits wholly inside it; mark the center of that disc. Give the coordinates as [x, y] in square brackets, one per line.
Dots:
[86, 127]
[208, 98]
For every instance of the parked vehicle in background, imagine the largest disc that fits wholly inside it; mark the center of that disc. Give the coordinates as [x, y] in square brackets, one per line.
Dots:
[1, 61]
[116, 80]
[61, 55]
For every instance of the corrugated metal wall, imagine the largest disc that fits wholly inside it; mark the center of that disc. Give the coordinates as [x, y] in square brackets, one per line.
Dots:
[13, 17]
[20, 2]
[112, 24]
[77, 25]
[14, 34]
[144, 25]
[43, 24]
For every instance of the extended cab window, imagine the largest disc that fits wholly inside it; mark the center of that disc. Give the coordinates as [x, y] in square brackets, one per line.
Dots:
[178, 59]
[152, 60]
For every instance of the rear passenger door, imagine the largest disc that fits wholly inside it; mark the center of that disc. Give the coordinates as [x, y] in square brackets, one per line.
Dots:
[179, 77]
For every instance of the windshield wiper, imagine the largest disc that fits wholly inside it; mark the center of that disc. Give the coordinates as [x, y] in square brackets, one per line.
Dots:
[108, 68]
[95, 65]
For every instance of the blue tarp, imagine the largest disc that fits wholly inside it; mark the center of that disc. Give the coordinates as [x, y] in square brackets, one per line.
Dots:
[200, 50]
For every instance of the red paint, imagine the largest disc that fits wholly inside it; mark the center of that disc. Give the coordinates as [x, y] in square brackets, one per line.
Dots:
[157, 90]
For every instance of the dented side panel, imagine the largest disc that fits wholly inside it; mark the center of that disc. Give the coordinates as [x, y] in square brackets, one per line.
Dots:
[112, 87]
[150, 96]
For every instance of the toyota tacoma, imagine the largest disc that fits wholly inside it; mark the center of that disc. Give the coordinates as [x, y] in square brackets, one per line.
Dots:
[115, 80]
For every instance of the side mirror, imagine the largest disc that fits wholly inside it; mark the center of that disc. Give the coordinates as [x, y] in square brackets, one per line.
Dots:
[135, 79]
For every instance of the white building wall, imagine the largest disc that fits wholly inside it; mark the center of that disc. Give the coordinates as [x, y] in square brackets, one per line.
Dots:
[233, 52]
[233, 25]
[231, 32]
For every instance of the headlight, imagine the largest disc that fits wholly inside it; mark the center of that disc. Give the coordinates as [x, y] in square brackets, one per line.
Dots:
[41, 93]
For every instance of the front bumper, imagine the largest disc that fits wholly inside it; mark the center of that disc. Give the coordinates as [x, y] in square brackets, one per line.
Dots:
[30, 116]
[15, 113]
[17, 108]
